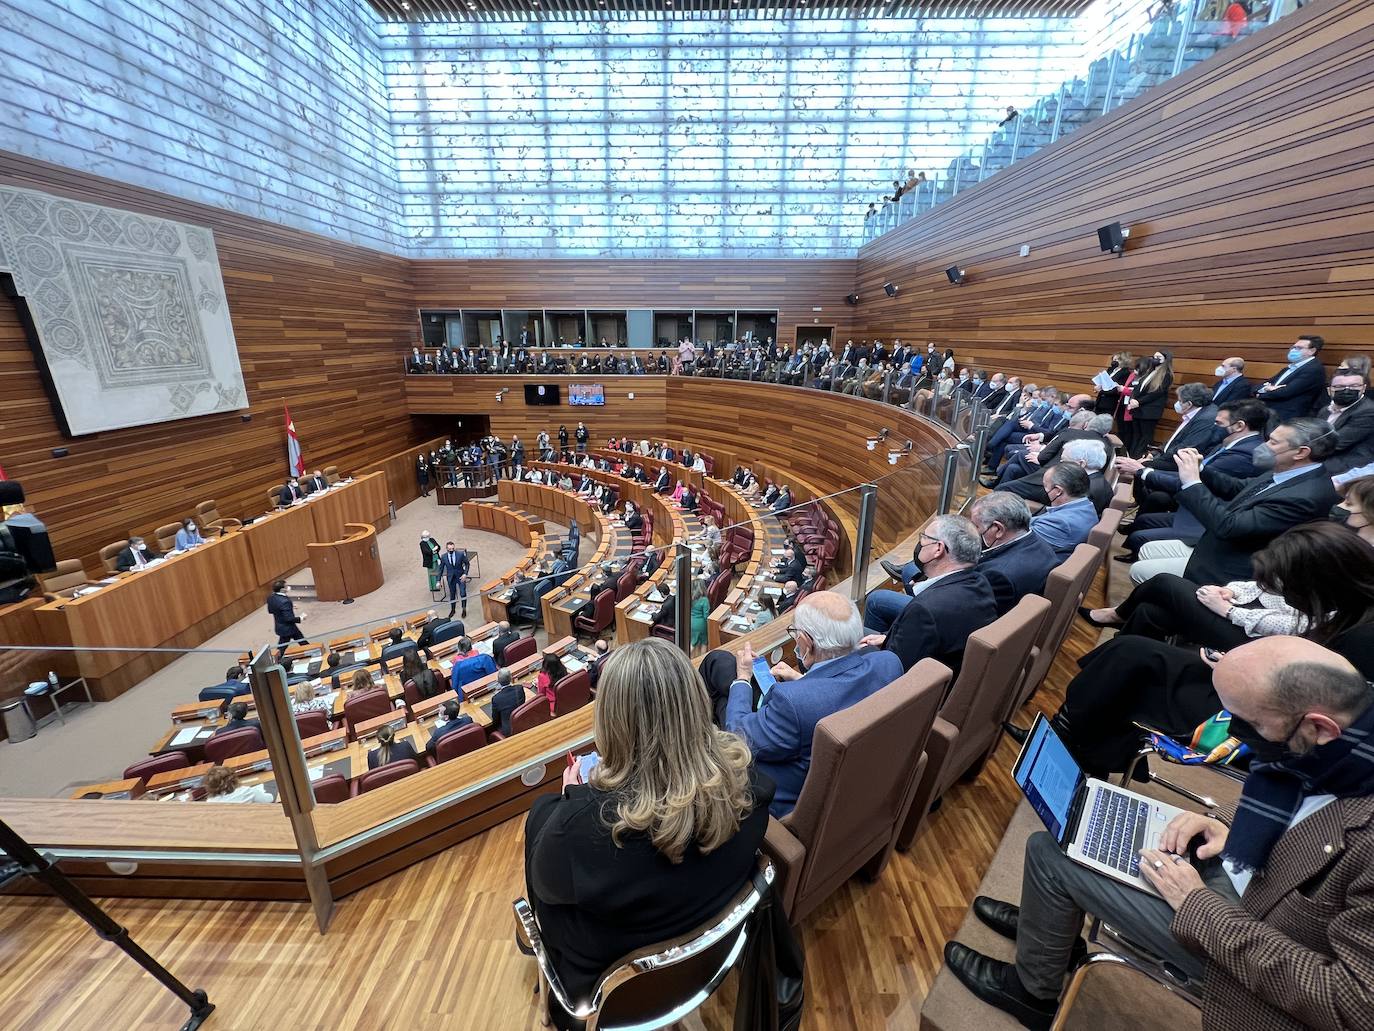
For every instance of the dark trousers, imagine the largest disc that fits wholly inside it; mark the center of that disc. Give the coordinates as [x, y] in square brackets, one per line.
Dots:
[1137, 434]
[1166, 606]
[294, 635]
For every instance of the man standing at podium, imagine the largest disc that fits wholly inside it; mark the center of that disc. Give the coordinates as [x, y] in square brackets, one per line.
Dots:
[454, 567]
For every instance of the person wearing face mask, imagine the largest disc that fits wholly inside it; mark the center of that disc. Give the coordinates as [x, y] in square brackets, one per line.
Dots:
[1015, 561]
[1002, 400]
[1143, 396]
[953, 600]
[1197, 428]
[1071, 514]
[1296, 389]
[1351, 416]
[833, 672]
[453, 567]
[1231, 384]
[1239, 517]
[1265, 905]
[136, 556]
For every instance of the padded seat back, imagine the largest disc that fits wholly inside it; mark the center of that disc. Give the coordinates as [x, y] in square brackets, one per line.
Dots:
[387, 774]
[331, 790]
[1100, 536]
[572, 692]
[603, 614]
[521, 649]
[69, 573]
[530, 714]
[235, 742]
[1065, 588]
[311, 724]
[274, 496]
[109, 554]
[718, 587]
[459, 742]
[145, 768]
[447, 632]
[331, 474]
[166, 537]
[365, 706]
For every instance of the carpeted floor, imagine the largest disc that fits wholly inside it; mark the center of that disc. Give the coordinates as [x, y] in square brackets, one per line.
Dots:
[97, 743]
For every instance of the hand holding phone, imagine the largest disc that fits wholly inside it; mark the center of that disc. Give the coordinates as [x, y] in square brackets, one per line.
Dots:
[763, 675]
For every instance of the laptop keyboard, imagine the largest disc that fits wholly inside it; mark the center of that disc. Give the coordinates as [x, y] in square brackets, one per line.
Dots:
[1116, 831]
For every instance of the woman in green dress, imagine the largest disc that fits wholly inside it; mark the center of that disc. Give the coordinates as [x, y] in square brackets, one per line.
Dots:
[701, 609]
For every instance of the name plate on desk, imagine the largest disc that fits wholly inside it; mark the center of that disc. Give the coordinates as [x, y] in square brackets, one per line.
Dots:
[368, 728]
[196, 711]
[331, 742]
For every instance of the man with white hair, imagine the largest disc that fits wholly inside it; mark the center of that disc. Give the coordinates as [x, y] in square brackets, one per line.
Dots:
[1087, 447]
[835, 674]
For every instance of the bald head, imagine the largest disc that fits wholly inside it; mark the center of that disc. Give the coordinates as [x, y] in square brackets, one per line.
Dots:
[831, 623]
[1292, 691]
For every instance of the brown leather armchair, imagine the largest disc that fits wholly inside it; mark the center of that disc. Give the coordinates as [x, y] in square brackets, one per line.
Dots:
[166, 537]
[1065, 588]
[109, 555]
[68, 573]
[211, 523]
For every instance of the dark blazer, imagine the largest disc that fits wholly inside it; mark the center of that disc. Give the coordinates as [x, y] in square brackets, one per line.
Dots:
[223, 692]
[426, 637]
[791, 571]
[1237, 390]
[596, 902]
[1235, 461]
[503, 703]
[1017, 568]
[288, 495]
[440, 729]
[1200, 432]
[498, 646]
[1354, 437]
[936, 623]
[238, 725]
[1299, 393]
[399, 750]
[125, 560]
[284, 618]
[1151, 401]
[1234, 530]
[453, 565]
[315, 483]
[667, 612]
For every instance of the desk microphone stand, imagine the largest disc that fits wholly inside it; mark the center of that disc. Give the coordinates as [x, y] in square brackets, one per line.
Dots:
[27, 860]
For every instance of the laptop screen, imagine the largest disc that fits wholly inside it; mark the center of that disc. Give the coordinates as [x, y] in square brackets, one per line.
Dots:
[1049, 777]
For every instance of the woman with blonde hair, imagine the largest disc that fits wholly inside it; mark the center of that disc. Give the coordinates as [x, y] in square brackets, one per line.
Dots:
[222, 785]
[662, 833]
[362, 681]
[303, 700]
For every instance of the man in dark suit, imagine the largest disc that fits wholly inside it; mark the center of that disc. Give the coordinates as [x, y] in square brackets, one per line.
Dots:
[425, 640]
[1231, 384]
[451, 720]
[606, 578]
[507, 698]
[316, 483]
[952, 601]
[453, 567]
[285, 622]
[290, 492]
[238, 720]
[1015, 561]
[505, 637]
[1199, 429]
[135, 556]
[1296, 390]
[1351, 415]
[838, 674]
[1090, 452]
[524, 599]
[790, 566]
[233, 686]
[787, 600]
[1239, 517]
[1264, 905]
[396, 647]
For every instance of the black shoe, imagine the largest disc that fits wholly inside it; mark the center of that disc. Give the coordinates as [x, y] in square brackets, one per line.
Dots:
[1125, 556]
[1125, 529]
[1017, 734]
[891, 569]
[1003, 917]
[989, 482]
[996, 984]
[1086, 613]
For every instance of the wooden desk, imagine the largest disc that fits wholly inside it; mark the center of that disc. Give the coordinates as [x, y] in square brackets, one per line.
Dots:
[130, 787]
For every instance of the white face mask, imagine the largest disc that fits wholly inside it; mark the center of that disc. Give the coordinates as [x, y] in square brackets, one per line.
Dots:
[1178, 407]
[1222, 370]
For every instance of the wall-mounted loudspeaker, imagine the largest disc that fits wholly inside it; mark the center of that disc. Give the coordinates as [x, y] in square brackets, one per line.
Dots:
[852, 299]
[890, 289]
[955, 275]
[1113, 238]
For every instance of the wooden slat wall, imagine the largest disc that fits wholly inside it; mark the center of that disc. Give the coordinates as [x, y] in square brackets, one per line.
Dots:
[1247, 186]
[318, 323]
[792, 287]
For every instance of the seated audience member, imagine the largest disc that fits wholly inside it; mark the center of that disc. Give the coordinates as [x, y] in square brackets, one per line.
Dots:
[1071, 514]
[551, 671]
[688, 501]
[469, 665]
[660, 837]
[951, 602]
[1239, 517]
[291, 492]
[1091, 455]
[605, 581]
[1031, 459]
[361, 683]
[663, 481]
[427, 682]
[601, 651]
[425, 640]
[1015, 561]
[1351, 416]
[389, 750]
[1267, 911]
[316, 483]
[505, 700]
[451, 719]
[710, 531]
[396, 647]
[791, 564]
[505, 637]
[303, 700]
[1308, 576]
[238, 719]
[836, 673]
[1296, 391]
[667, 611]
[188, 536]
[783, 501]
[135, 556]
[787, 600]
[222, 785]
[233, 685]
[524, 603]
[1200, 427]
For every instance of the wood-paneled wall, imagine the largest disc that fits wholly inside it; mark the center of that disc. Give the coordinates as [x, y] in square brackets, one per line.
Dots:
[1248, 186]
[793, 287]
[319, 324]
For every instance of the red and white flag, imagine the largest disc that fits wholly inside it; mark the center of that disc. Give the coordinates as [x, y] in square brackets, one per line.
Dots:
[294, 462]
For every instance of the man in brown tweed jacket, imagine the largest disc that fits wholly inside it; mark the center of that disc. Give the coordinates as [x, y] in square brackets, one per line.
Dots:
[1275, 918]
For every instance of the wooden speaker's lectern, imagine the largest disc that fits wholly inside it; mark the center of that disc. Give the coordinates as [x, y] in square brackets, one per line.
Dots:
[349, 568]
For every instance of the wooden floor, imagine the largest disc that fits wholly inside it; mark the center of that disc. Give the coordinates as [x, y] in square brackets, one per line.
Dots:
[431, 947]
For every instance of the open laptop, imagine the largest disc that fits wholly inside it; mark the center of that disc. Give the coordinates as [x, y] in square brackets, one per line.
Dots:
[1096, 824]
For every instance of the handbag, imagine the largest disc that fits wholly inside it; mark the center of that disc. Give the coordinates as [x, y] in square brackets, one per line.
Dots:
[771, 994]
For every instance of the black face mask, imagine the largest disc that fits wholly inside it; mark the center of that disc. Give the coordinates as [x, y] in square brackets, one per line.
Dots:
[1339, 515]
[1264, 750]
[1346, 396]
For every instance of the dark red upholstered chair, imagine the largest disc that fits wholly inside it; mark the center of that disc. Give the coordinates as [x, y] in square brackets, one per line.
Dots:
[398, 770]
[603, 614]
[145, 768]
[365, 706]
[664, 631]
[530, 714]
[311, 724]
[330, 790]
[572, 692]
[719, 586]
[458, 742]
[411, 694]
[236, 742]
[521, 649]
[625, 586]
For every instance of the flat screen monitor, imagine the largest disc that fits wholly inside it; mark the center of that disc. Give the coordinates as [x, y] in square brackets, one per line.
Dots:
[586, 394]
[542, 394]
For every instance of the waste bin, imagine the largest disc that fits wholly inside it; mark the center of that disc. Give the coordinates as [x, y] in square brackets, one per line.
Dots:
[19, 725]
